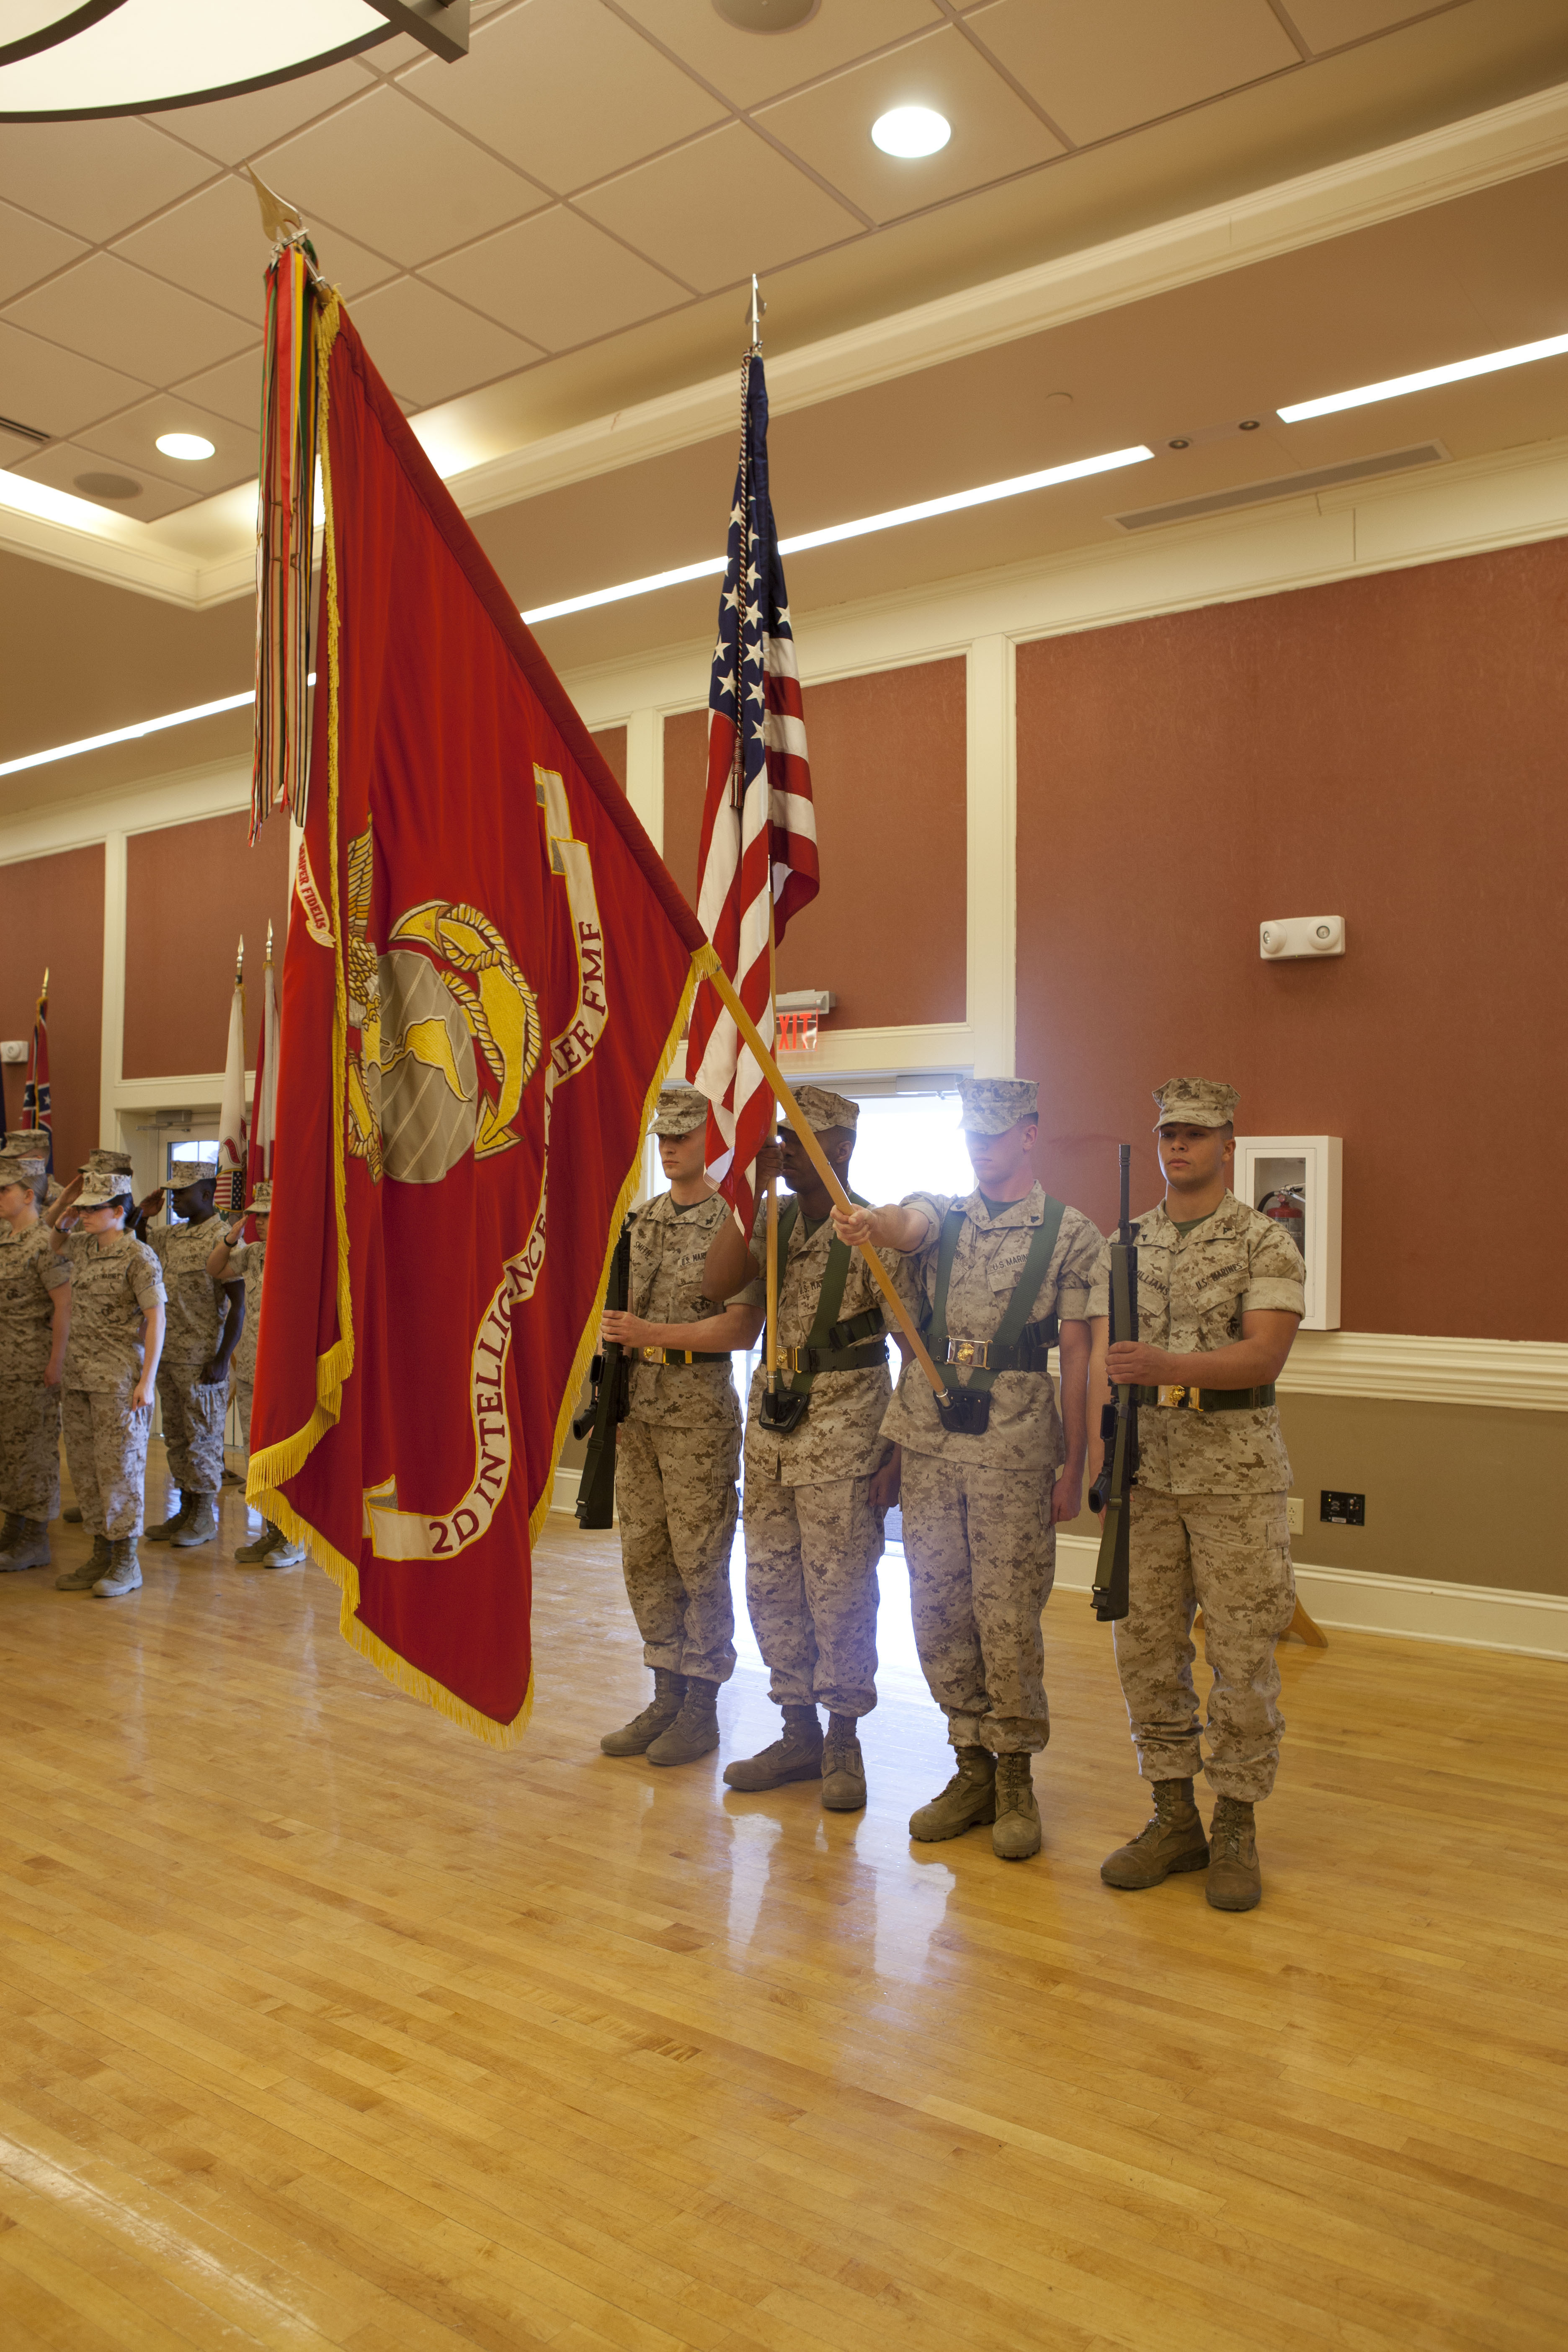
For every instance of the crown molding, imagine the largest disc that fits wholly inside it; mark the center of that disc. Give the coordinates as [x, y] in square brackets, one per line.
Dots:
[1518, 1375]
[205, 555]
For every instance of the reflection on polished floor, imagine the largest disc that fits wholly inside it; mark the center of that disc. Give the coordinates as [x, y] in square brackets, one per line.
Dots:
[320, 2025]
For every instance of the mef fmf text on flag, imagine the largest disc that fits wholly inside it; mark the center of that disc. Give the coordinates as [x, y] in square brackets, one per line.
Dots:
[487, 973]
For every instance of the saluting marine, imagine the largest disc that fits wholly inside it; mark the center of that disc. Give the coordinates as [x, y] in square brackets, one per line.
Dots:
[231, 1257]
[35, 1316]
[205, 1318]
[110, 1364]
[679, 1448]
[812, 1512]
[1221, 1290]
[982, 1492]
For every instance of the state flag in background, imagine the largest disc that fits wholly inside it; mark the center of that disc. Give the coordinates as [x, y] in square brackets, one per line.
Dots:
[486, 976]
[757, 858]
[38, 1101]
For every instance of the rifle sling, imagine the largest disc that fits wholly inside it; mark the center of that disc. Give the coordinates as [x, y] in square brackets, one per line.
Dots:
[1005, 1352]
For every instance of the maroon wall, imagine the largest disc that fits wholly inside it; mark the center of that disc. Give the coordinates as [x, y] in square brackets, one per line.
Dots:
[611, 742]
[192, 892]
[888, 758]
[1392, 750]
[51, 914]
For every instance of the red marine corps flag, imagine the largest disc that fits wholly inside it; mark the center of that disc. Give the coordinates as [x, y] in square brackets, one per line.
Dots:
[487, 973]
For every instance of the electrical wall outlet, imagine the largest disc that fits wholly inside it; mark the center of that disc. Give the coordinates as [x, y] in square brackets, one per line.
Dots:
[1296, 1515]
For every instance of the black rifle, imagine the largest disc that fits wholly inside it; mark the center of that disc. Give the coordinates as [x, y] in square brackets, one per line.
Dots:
[610, 1374]
[1111, 1491]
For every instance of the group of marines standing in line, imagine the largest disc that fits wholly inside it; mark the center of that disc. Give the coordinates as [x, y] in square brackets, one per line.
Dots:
[95, 1317]
[995, 1281]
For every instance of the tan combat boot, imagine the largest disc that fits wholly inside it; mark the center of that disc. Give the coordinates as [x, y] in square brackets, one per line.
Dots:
[123, 1573]
[695, 1731]
[283, 1551]
[843, 1767]
[252, 1555]
[968, 1801]
[1235, 1880]
[200, 1527]
[167, 1530]
[72, 1515]
[636, 1737]
[26, 1544]
[82, 1577]
[1018, 1831]
[1172, 1840]
[796, 1757]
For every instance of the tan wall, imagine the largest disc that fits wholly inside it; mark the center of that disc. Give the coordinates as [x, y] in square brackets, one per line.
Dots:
[51, 914]
[192, 892]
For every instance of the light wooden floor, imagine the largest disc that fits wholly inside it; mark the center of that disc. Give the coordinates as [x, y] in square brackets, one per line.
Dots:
[320, 2025]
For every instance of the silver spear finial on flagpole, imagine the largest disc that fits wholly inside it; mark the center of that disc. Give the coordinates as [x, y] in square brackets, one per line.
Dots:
[757, 310]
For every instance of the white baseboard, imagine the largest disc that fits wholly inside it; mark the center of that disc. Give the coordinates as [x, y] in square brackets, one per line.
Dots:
[1349, 1601]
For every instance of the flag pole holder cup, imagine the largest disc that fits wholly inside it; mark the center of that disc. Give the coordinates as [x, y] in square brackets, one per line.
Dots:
[965, 1412]
[783, 1410]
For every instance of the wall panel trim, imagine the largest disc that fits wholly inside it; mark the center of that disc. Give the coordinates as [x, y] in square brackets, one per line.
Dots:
[1526, 1375]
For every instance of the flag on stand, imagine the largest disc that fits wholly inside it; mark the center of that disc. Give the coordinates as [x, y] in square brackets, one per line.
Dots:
[486, 975]
[231, 1144]
[37, 1107]
[263, 1101]
[758, 850]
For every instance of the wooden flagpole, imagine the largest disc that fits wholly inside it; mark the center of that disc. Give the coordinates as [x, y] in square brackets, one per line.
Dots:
[813, 1152]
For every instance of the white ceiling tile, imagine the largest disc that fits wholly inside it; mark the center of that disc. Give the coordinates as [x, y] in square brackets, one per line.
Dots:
[750, 67]
[214, 245]
[29, 249]
[522, 91]
[1101, 69]
[558, 279]
[233, 389]
[684, 210]
[1324, 24]
[14, 446]
[56, 390]
[96, 178]
[993, 133]
[234, 129]
[131, 439]
[389, 174]
[108, 310]
[63, 465]
[430, 348]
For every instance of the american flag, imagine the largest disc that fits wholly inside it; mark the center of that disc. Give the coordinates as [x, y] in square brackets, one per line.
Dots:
[759, 827]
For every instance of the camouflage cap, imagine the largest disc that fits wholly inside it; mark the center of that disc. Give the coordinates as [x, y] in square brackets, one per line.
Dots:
[184, 1173]
[823, 1109]
[261, 1198]
[101, 1186]
[1196, 1102]
[20, 1167]
[681, 1109]
[96, 1161]
[28, 1138]
[991, 1106]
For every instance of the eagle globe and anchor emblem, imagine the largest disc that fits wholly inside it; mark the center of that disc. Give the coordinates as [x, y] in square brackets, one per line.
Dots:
[444, 994]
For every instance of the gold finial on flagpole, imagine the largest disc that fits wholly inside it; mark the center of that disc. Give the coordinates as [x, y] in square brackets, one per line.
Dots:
[44, 990]
[755, 316]
[280, 220]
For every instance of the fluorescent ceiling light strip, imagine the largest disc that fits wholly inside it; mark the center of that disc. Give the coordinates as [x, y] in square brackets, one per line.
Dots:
[1487, 364]
[985, 496]
[712, 568]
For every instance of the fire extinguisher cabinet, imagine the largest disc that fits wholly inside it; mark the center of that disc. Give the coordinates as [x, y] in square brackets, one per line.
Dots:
[1271, 1165]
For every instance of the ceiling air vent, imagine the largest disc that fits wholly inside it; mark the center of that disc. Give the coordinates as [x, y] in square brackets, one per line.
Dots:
[1284, 486]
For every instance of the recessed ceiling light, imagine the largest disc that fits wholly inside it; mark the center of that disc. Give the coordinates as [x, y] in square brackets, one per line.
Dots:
[185, 445]
[911, 131]
[1519, 355]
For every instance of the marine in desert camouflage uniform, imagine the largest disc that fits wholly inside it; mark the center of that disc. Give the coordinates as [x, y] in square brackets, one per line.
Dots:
[232, 1259]
[814, 1504]
[1221, 1291]
[110, 1365]
[36, 1143]
[678, 1449]
[34, 1315]
[205, 1319]
[981, 1508]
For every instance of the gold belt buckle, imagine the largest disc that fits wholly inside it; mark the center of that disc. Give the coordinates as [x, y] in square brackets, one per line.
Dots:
[968, 1352]
[1180, 1395]
[653, 1355]
[786, 1359]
